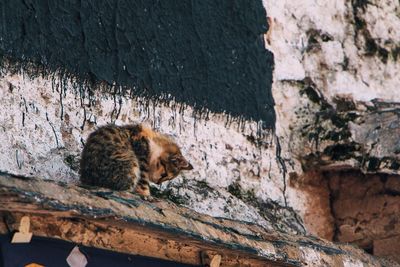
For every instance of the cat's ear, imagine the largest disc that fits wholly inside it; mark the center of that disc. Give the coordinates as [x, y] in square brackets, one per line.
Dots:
[182, 163]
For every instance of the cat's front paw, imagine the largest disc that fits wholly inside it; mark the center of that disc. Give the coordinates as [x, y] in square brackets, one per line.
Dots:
[150, 198]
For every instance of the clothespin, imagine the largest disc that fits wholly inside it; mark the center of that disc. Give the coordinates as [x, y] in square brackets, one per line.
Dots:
[209, 259]
[23, 235]
[216, 261]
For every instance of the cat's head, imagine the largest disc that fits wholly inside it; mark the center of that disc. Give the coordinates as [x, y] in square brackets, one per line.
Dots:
[166, 159]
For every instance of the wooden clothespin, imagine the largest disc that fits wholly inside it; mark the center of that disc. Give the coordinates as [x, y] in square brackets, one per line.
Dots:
[211, 260]
[216, 261]
[23, 235]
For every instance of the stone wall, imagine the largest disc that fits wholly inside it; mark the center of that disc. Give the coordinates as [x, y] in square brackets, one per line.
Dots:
[336, 93]
[366, 211]
[335, 82]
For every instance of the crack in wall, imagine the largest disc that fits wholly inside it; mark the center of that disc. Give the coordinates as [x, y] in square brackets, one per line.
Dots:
[283, 169]
[52, 128]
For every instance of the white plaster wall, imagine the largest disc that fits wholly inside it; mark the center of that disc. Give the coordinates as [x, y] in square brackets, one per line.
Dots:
[44, 124]
[365, 77]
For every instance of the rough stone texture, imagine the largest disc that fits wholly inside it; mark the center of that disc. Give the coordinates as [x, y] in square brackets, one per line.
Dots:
[366, 209]
[355, 135]
[353, 207]
[330, 63]
[162, 229]
[336, 92]
[388, 247]
[317, 216]
[322, 54]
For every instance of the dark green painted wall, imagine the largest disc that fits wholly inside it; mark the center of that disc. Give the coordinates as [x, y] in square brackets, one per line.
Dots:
[205, 53]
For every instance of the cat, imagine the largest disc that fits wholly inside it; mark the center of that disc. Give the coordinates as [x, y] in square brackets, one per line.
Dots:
[129, 157]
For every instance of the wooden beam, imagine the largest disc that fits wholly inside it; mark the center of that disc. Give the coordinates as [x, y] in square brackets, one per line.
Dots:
[123, 222]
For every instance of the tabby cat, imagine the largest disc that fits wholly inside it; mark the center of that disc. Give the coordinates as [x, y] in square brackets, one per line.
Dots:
[129, 157]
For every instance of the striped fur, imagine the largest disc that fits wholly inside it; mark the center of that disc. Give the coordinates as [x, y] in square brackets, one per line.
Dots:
[129, 157]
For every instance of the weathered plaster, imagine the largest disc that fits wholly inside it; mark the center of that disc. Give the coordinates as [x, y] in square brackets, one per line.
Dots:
[326, 46]
[45, 123]
[326, 53]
